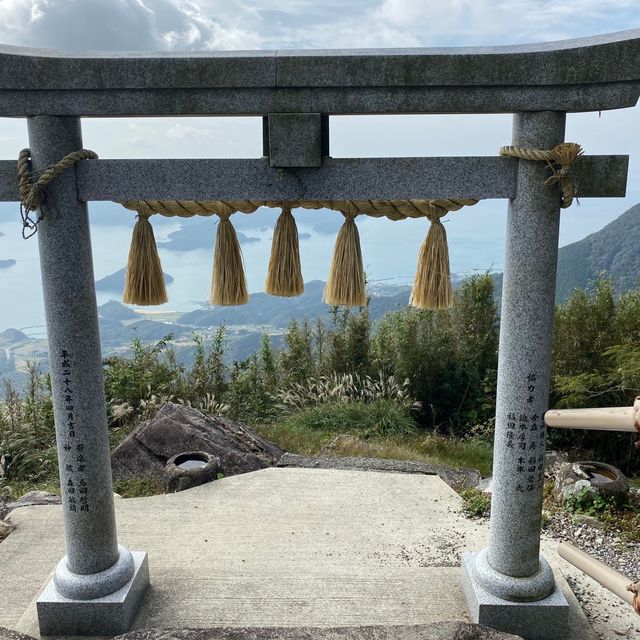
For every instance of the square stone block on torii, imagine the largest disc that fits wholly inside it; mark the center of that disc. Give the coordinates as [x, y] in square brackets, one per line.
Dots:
[98, 586]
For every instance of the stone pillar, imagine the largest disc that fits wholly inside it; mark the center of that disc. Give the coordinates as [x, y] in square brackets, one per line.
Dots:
[509, 586]
[95, 565]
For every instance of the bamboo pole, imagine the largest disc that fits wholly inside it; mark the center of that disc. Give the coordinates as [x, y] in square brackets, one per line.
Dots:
[609, 578]
[601, 419]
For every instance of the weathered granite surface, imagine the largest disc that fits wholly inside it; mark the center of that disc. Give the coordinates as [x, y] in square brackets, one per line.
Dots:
[509, 584]
[295, 140]
[524, 366]
[177, 429]
[546, 619]
[337, 179]
[105, 615]
[94, 566]
[77, 382]
[584, 74]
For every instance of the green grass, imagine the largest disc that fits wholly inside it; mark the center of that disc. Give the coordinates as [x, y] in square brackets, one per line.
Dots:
[138, 487]
[378, 429]
[133, 488]
[360, 432]
[15, 490]
[377, 418]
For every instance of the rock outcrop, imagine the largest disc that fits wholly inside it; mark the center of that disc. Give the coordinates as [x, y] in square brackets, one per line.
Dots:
[176, 429]
[34, 498]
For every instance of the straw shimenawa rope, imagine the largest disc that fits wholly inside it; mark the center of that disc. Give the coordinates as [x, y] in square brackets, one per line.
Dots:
[346, 281]
[32, 192]
[560, 160]
[392, 209]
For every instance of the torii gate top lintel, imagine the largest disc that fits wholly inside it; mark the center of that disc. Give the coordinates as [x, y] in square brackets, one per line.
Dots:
[586, 74]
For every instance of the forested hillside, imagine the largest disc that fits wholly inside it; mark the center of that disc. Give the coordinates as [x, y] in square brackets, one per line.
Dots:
[612, 252]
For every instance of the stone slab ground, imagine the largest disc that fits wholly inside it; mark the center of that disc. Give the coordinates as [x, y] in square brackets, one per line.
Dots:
[278, 547]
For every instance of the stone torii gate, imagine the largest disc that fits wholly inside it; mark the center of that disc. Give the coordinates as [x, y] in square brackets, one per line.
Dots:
[98, 585]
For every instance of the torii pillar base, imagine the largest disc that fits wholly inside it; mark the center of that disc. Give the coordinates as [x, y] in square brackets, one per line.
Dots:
[109, 615]
[546, 619]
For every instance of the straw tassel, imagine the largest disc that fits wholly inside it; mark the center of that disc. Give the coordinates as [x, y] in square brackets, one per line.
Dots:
[144, 280]
[228, 282]
[432, 285]
[346, 283]
[284, 277]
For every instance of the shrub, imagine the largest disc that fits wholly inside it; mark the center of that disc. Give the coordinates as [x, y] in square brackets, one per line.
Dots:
[476, 503]
[378, 417]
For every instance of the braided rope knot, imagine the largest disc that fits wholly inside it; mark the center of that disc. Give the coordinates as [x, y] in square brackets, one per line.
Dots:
[634, 587]
[33, 185]
[560, 161]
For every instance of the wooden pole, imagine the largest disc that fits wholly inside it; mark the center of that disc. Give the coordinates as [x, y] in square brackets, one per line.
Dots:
[609, 578]
[601, 419]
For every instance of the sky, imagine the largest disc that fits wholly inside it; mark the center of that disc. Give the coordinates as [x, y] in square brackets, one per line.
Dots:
[476, 235]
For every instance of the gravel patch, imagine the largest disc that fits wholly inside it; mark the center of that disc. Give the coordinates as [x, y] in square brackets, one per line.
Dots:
[589, 535]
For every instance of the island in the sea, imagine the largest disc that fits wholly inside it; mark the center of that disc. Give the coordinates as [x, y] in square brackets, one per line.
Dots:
[114, 282]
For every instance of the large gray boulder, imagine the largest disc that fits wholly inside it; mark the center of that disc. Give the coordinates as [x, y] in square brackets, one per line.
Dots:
[177, 429]
[34, 498]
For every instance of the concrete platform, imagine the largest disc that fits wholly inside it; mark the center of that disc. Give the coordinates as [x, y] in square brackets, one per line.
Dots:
[278, 547]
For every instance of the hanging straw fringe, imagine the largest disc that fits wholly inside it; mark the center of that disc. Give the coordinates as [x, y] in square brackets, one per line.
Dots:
[284, 277]
[432, 284]
[346, 283]
[144, 280]
[228, 282]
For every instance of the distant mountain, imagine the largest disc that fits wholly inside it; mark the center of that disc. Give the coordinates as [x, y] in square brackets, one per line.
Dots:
[12, 336]
[114, 310]
[263, 309]
[115, 282]
[5, 264]
[114, 334]
[612, 251]
[199, 234]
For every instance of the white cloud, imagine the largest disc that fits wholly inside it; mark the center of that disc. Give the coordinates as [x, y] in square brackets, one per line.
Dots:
[241, 24]
[126, 24]
[502, 21]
